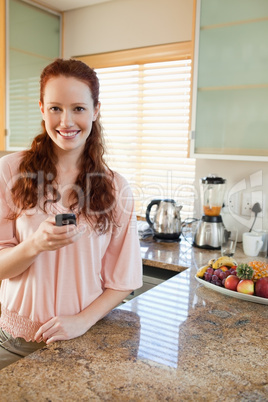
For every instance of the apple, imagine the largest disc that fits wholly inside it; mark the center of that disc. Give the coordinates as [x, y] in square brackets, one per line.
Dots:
[261, 287]
[246, 286]
[231, 282]
[234, 267]
[224, 268]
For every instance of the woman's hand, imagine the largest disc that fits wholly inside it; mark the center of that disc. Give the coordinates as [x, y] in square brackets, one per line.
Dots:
[60, 329]
[48, 236]
[69, 327]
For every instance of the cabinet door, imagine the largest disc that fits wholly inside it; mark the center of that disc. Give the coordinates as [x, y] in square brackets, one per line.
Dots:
[34, 41]
[230, 88]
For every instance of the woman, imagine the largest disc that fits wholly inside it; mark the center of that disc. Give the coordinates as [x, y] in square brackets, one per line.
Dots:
[58, 281]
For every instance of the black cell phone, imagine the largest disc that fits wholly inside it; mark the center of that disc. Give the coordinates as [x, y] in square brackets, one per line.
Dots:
[65, 219]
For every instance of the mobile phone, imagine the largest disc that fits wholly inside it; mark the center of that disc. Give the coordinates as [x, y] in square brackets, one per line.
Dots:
[65, 219]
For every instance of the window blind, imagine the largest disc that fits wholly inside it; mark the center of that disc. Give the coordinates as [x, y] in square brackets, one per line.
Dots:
[145, 110]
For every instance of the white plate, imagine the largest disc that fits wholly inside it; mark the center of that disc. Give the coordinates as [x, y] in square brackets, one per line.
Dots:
[232, 293]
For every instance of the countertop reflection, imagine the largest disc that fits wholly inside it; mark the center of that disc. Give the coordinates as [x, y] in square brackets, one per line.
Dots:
[160, 319]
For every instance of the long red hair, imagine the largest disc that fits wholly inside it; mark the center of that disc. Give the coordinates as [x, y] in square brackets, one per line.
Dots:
[95, 199]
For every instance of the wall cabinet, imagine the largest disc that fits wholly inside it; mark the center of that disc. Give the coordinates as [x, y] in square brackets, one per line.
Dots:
[230, 82]
[33, 41]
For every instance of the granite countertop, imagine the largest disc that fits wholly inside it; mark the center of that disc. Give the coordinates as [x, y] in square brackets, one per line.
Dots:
[179, 256]
[177, 342]
[176, 256]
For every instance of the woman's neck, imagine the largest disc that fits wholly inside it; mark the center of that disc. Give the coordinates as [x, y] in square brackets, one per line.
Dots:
[68, 161]
[67, 172]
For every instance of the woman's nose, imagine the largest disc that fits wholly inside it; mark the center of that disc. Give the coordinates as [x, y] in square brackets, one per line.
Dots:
[66, 119]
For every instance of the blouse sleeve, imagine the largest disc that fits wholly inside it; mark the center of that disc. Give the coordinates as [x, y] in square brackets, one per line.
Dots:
[7, 227]
[122, 263]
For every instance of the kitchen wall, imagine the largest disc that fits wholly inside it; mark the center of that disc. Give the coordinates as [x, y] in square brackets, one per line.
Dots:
[242, 177]
[125, 24]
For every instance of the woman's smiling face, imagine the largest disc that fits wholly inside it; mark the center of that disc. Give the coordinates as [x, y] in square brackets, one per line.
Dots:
[68, 112]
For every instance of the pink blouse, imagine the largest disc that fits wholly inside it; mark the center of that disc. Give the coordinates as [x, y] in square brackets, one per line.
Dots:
[66, 281]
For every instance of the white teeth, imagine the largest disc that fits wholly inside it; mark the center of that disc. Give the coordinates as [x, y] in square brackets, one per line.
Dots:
[71, 134]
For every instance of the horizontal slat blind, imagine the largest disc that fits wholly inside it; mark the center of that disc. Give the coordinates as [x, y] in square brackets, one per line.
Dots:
[145, 113]
[23, 104]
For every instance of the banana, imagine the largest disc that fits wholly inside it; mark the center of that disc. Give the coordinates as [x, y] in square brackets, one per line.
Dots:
[201, 272]
[211, 262]
[228, 261]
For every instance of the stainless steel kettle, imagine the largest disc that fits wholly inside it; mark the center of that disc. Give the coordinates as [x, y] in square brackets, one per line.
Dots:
[166, 223]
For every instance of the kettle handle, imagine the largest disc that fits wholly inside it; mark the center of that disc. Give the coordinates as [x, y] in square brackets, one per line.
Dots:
[148, 210]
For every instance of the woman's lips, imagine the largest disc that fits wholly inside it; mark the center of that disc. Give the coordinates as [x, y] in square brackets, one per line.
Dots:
[68, 134]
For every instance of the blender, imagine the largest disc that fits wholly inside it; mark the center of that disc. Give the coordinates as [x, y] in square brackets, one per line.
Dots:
[210, 228]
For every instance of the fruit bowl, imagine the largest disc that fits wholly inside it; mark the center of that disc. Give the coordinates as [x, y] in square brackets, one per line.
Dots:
[232, 293]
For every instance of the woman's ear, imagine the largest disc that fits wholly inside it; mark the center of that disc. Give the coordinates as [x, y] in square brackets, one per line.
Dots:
[96, 111]
[41, 109]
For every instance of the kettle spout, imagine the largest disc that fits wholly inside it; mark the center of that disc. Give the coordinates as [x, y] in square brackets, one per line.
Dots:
[178, 208]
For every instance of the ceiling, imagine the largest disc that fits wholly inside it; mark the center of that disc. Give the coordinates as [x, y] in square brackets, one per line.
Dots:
[65, 5]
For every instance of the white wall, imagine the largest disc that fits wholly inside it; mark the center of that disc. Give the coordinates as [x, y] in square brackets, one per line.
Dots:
[125, 24]
[241, 177]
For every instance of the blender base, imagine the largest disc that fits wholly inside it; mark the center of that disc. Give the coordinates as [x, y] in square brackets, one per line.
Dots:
[206, 247]
[209, 233]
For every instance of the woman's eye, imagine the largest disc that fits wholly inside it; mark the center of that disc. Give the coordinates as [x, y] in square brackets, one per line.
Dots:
[54, 108]
[79, 109]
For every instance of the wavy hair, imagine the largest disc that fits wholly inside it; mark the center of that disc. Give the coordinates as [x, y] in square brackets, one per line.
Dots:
[37, 184]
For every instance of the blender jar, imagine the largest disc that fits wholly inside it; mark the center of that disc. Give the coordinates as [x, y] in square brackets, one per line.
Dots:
[212, 194]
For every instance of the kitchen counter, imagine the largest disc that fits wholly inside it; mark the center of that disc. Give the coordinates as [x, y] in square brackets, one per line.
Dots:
[179, 256]
[176, 256]
[177, 342]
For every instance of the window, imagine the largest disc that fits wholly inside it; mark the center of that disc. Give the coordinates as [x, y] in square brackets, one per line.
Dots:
[145, 111]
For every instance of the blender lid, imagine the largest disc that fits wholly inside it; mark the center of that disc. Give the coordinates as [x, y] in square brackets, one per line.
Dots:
[213, 179]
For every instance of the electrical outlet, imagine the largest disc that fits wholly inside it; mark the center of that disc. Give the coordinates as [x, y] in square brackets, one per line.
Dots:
[234, 203]
[248, 200]
[246, 204]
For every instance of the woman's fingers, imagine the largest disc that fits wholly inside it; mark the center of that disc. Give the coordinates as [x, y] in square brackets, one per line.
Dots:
[51, 237]
[45, 327]
[59, 329]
